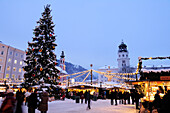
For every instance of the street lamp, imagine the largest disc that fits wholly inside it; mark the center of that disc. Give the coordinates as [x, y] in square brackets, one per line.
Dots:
[91, 72]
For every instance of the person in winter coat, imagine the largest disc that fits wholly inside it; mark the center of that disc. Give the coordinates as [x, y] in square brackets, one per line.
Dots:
[32, 102]
[115, 97]
[120, 97]
[8, 104]
[43, 106]
[81, 97]
[85, 96]
[88, 99]
[165, 107]
[157, 101]
[19, 98]
[111, 97]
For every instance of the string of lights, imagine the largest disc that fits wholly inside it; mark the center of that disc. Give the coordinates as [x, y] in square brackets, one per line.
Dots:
[78, 75]
[86, 76]
[75, 73]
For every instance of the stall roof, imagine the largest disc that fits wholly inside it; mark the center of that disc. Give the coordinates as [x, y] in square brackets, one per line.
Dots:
[154, 70]
[143, 81]
[82, 86]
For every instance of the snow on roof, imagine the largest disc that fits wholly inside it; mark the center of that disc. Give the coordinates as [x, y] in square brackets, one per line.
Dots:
[61, 70]
[155, 71]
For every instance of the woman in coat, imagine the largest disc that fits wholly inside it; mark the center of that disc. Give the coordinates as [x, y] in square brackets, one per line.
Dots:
[9, 102]
[43, 106]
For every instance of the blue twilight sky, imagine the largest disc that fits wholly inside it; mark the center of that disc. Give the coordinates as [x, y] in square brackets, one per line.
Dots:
[90, 31]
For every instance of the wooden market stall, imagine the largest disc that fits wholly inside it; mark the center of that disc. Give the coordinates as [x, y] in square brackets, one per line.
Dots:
[152, 79]
[83, 87]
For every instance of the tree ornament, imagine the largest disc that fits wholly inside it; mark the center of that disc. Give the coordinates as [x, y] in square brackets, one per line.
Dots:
[33, 49]
[41, 69]
[53, 47]
[55, 63]
[50, 35]
[59, 77]
[40, 50]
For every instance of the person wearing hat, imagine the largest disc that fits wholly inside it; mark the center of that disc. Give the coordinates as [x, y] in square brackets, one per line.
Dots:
[8, 104]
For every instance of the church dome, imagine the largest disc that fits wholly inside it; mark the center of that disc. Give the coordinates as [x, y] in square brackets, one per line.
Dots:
[122, 47]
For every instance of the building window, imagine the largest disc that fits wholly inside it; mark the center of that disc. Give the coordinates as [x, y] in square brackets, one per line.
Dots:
[0, 68]
[119, 55]
[8, 68]
[20, 62]
[3, 46]
[13, 76]
[123, 61]
[123, 55]
[21, 56]
[14, 68]
[2, 52]
[9, 60]
[126, 55]
[19, 69]
[10, 53]
[7, 75]
[16, 54]
[15, 61]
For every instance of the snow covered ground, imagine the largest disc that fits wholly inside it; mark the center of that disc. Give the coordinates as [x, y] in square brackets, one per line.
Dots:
[99, 106]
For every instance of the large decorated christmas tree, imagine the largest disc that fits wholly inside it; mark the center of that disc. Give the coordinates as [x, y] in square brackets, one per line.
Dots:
[40, 57]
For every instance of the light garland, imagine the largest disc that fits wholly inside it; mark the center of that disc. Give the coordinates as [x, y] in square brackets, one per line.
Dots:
[74, 73]
[86, 76]
[78, 75]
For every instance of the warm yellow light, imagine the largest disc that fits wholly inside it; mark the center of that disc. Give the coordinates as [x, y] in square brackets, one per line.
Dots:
[150, 57]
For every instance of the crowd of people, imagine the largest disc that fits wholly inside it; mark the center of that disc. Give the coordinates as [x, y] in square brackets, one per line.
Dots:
[33, 99]
[159, 105]
[124, 97]
[36, 99]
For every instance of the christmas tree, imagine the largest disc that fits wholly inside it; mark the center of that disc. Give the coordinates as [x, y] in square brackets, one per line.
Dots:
[40, 58]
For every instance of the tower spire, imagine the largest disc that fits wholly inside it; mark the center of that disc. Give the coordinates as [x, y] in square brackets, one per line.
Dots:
[62, 54]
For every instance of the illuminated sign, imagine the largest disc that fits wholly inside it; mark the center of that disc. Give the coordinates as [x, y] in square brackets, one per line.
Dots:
[164, 77]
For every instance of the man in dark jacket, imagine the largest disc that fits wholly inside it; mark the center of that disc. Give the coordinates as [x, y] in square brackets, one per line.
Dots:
[137, 97]
[111, 97]
[88, 99]
[32, 102]
[85, 96]
[157, 101]
[120, 97]
[115, 96]
[20, 98]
